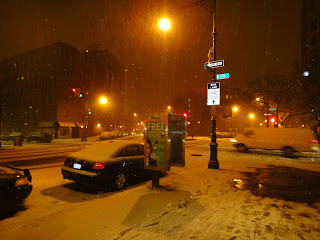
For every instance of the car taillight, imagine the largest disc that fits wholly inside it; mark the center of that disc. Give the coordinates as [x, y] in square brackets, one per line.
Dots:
[314, 141]
[98, 165]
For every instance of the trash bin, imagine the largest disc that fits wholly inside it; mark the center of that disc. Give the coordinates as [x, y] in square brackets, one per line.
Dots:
[17, 141]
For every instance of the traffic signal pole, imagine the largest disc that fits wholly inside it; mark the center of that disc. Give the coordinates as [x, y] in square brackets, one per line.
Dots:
[213, 163]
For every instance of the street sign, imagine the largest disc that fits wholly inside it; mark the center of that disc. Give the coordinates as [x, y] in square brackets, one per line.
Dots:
[268, 114]
[213, 94]
[222, 76]
[272, 109]
[214, 64]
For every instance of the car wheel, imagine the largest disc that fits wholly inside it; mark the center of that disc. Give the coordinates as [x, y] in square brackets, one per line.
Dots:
[119, 180]
[288, 151]
[242, 148]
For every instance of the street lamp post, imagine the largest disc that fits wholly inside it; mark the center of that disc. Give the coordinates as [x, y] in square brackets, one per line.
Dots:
[214, 163]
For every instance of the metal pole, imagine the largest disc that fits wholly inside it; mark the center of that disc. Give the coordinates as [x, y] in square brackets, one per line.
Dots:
[86, 120]
[214, 163]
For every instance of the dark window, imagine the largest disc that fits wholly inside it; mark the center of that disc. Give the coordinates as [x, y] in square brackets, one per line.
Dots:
[140, 150]
[131, 151]
[121, 154]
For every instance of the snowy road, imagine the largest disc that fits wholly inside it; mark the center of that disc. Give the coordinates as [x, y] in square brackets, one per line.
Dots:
[193, 202]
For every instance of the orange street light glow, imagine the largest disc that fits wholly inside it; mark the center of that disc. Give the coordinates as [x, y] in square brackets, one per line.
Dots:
[164, 24]
[103, 100]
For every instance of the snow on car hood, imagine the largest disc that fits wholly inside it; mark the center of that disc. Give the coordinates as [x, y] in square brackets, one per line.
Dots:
[9, 173]
[102, 151]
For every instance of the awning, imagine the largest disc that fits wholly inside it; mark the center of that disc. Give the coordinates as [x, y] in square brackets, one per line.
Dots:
[67, 124]
[48, 124]
[79, 124]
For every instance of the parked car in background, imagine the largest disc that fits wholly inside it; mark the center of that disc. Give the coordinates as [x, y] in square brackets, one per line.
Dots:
[3, 135]
[15, 186]
[110, 135]
[13, 135]
[289, 140]
[109, 163]
[40, 137]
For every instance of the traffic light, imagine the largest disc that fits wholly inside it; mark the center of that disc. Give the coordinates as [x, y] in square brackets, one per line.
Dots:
[185, 115]
[77, 92]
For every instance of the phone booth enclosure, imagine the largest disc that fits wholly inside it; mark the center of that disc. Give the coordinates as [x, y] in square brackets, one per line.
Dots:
[166, 135]
[176, 137]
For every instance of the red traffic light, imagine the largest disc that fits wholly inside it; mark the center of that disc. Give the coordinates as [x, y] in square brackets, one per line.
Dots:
[74, 90]
[185, 115]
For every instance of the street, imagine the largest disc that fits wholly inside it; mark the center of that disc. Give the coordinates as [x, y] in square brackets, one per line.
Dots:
[251, 196]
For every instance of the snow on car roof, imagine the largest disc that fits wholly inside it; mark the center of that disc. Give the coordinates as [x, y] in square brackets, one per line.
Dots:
[102, 151]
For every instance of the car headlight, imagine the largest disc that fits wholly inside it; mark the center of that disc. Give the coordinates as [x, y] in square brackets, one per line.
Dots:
[21, 182]
[233, 140]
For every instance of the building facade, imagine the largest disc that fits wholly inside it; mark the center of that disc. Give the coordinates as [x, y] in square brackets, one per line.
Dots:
[37, 90]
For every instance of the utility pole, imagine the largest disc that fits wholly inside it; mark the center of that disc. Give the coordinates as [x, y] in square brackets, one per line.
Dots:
[213, 163]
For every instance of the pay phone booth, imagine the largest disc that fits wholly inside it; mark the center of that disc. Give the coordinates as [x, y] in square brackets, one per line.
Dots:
[164, 144]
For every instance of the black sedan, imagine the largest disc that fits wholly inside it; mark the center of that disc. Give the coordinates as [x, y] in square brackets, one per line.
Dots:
[15, 186]
[109, 163]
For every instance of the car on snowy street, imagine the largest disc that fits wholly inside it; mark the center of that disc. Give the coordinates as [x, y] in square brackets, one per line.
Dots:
[40, 137]
[108, 163]
[13, 135]
[289, 140]
[15, 186]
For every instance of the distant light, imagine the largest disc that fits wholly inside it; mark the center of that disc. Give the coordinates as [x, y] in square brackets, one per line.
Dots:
[260, 124]
[272, 120]
[169, 107]
[135, 114]
[251, 115]
[87, 50]
[257, 99]
[198, 122]
[306, 74]
[30, 106]
[235, 109]
[89, 112]
[98, 125]
[302, 125]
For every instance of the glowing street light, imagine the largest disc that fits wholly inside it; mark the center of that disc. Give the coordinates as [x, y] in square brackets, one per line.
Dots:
[164, 24]
[169, 107]
[235, 109]
[135, 114]
[103, 100]
[251, 116]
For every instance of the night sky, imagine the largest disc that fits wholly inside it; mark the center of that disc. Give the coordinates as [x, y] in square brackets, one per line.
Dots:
[254, 36]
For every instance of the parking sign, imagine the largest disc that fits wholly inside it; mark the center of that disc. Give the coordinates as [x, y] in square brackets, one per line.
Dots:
[213, 94]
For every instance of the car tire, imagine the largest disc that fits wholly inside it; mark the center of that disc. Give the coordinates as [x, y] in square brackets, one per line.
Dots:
[119, 180]
[242, 148]
[288, 152]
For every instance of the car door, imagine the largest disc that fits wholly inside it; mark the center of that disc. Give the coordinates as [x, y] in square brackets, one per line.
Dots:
[134, 159]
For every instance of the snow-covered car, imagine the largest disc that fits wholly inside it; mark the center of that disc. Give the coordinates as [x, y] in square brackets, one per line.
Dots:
[109, 163]
[40, 137]
[15, 186]
[13, 135]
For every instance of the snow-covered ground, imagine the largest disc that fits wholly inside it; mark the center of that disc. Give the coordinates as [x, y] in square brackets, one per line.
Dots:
[193, 202]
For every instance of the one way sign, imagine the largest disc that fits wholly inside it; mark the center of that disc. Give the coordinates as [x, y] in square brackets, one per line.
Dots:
[213, 64]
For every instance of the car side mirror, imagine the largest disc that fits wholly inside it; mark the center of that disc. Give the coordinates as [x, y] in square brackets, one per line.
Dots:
[27, 173]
